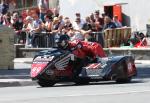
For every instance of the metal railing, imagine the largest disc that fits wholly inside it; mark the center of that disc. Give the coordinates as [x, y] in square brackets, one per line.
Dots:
[108, 38]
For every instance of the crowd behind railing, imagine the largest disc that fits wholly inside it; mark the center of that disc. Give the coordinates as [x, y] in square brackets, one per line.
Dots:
[34, 31]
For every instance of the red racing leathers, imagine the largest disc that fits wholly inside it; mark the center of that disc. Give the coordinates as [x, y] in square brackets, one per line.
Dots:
[83, 49]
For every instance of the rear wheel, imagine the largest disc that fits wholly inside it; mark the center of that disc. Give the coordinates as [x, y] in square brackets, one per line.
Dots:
[46, 83]
[80, 81]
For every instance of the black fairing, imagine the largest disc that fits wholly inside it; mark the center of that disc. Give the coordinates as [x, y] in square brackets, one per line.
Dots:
[52, 52]
[111, 68]
[117, 67]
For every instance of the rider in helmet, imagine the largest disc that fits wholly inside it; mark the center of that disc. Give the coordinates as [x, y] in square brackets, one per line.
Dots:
[62, 41]
[81, 49]
[84, 51]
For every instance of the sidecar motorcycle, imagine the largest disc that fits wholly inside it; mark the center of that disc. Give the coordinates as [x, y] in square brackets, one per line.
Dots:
[54, 65]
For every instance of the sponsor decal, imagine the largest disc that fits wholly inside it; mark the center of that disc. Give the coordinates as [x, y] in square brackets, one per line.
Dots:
[61, 64]
[43, 58]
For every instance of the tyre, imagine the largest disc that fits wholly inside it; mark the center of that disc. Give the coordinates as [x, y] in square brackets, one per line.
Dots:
[81, 81]
[124, 80]
[45, 83]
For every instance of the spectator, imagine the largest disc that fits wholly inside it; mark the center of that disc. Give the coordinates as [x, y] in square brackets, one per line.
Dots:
[117, 22]
[78, 15]
[87, 25]
[67, 23]
[61, 20]
[108, 24]
[12, 6]
[87, 28]
[67, 26]
[98, 20]
[29, 24]
[4, 7]
[43, 7]
[37, 28]
[48, 23]
[3, 10]
[6, 19]
[17, 24]
[55, 12]
[77, 26]
[56, 25]
[28, 27]
[92, 19]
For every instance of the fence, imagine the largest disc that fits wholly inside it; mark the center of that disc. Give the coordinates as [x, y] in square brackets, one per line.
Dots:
[116, 37]
[108, 38]
[42, 40]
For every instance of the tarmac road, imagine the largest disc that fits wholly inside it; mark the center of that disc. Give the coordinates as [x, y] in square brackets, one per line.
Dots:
[20, 76]
[138, 91]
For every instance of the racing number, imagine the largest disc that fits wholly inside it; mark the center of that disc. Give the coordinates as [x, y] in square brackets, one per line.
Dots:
[36, 69]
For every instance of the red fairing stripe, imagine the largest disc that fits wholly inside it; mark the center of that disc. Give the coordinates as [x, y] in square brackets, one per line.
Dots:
[94, 66]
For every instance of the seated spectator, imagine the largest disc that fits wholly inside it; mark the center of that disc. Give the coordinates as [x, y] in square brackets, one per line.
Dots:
[117, 22]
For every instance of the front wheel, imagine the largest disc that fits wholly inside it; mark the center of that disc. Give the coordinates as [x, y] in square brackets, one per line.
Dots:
[46, 83]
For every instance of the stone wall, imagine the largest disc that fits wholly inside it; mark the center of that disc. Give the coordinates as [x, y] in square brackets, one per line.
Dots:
[7, 52]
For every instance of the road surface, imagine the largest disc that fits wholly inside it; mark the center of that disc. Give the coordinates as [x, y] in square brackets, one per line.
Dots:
[138, 91]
